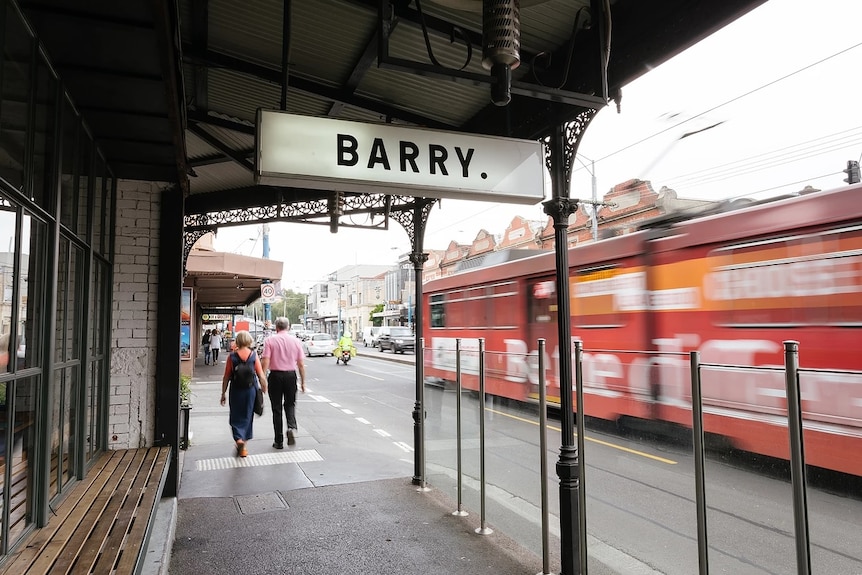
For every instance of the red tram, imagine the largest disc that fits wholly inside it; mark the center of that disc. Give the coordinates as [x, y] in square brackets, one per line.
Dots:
[733, 285]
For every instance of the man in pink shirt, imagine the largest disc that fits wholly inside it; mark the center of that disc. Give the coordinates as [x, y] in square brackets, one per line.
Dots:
[282, 357]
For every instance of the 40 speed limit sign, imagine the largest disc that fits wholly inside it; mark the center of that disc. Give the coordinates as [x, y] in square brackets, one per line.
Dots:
[267, 293]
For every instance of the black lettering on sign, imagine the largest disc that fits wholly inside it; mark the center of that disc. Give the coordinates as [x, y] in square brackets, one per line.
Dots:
[378, 155]
[438, 158]
[465, 160]
[408, 156]
[347, 154]
[409, 153]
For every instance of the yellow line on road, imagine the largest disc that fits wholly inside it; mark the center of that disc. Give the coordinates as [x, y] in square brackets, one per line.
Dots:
[365, 375]
[599, 441]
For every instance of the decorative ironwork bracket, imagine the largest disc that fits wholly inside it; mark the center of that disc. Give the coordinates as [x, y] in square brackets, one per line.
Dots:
[574, 133]
[315, 211]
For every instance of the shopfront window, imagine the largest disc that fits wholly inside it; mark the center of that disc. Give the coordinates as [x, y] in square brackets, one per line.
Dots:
[7, 280]
[31, 286]
[17, 452]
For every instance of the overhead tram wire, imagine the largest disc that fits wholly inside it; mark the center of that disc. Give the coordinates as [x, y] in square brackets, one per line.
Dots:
[762, 161]
[732, 100]
[811, 146]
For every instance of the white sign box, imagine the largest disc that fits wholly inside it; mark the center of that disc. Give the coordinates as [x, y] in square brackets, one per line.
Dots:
[339, 155]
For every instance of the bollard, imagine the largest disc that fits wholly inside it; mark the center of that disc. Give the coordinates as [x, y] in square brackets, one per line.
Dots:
[543, 460]
[699, 479]
[582, 468]
[797, 457]
[186, 414]
[460, 511]
[482, 529]
[420, 373]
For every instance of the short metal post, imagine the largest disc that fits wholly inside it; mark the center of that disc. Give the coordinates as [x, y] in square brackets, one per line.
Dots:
[187, 412]
[460, 511]
[420, 373]
[582, 468]
[699, 479]
[482, 529]
[543, 460]
[797, 457]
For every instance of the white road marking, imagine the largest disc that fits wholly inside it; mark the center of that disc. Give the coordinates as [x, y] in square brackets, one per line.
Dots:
[320, 398]
[363, 420]
[365, 375]
[347, 411]
[382, 433]
[404, 446]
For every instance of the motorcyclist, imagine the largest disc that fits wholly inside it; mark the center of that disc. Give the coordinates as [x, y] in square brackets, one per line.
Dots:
[344, 342]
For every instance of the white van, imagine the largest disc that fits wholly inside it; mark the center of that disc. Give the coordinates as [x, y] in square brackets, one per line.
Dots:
[369, 336]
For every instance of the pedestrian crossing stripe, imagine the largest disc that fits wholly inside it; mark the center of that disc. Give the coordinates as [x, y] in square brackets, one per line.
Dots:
[259, 460]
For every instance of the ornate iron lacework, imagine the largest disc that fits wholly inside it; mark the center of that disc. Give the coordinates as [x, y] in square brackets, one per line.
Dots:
[574, 133]
[374, 209]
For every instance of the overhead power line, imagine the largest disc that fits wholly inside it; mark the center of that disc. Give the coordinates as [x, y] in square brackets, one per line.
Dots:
[732, 100]
[760, 162]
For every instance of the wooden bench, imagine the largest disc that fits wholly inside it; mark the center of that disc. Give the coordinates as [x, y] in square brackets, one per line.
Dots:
[104, 524]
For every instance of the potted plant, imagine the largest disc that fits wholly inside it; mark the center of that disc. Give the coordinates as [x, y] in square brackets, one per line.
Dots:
[185, 390]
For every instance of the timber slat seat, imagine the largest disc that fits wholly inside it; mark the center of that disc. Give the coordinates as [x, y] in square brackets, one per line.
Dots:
[103, 525]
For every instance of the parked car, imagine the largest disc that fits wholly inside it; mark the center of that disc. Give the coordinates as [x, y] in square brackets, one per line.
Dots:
[318, 344]
[369, 336]
[398, 339]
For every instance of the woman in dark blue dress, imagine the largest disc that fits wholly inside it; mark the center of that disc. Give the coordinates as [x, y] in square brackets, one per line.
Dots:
[241, 397]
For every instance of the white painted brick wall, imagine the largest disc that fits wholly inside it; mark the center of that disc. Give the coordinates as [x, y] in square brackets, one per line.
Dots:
[133, 335]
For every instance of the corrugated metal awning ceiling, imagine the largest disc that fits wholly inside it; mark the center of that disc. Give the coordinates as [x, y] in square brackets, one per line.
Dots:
[187, 76]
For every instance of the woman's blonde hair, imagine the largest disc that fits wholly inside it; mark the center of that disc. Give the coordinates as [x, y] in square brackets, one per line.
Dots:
[243, 339]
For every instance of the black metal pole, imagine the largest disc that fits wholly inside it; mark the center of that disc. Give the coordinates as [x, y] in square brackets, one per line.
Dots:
[560, 208]
[418, 259]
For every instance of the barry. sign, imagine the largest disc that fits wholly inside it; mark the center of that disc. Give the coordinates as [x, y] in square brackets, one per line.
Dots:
[328, 154]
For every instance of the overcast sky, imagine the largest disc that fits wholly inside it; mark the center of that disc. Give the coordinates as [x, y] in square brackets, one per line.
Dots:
[783, 83]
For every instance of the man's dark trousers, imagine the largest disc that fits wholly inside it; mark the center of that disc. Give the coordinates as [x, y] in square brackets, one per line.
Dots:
[282, 395]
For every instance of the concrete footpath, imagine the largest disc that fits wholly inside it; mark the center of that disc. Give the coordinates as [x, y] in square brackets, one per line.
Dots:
[321, 507]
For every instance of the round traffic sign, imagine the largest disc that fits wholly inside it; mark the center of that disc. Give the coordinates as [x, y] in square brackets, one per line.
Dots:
[267, 290]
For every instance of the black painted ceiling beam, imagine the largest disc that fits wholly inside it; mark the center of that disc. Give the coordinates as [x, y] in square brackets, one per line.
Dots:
[274, 76]
[221, 147]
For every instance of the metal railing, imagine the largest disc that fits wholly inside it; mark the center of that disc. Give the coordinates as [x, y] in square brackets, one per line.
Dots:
[791, 372]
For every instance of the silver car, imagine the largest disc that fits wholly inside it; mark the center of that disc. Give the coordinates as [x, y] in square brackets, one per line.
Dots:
[318, 344]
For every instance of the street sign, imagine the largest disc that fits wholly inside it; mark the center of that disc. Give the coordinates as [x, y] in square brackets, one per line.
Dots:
[330, 154]
[267, 293]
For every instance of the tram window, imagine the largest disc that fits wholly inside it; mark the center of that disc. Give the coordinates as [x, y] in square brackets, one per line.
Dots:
[596, 293]
[473, 303]
[804, 280]
[438, 311]
[543, 302]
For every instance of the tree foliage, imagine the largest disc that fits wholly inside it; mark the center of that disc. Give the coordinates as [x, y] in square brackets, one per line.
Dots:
[376, 321]
[289, 304]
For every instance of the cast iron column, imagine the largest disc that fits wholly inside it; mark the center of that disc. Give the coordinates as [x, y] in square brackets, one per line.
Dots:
[561, 153]
[413, 222]
[418, 259]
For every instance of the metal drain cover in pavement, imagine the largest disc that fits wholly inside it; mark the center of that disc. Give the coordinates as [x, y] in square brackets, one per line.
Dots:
[260, 503]
[259, 460]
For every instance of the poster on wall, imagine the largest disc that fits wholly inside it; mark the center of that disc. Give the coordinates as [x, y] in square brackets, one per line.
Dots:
[185, 324]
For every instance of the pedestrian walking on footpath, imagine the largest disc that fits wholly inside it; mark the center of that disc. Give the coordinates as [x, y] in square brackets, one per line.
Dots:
[244, 372]
[215, 345]
[282, 359]
[205, 342]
